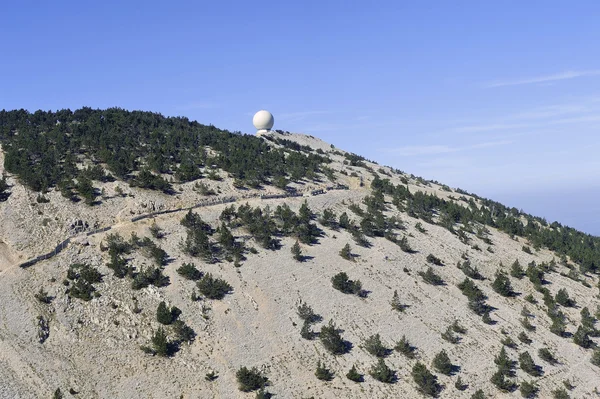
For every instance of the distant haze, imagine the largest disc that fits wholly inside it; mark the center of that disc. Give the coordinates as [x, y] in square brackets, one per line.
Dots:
[578, 208]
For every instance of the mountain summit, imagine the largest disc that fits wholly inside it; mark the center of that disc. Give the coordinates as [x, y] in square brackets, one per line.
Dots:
[151, 257]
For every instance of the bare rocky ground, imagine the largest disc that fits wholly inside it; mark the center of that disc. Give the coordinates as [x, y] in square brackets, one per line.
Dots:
[93, 347]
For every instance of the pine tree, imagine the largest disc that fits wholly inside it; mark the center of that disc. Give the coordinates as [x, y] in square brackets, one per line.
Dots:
[460, 385]
[528, 389]
[297, 252]
[526, 364]
[332, 340]
[354, 375]
[505, 365]
[250, 379]
[381, 372]
[503, 384]
[517, 270]
[582, 337]
[595, 359]
[502, 285]
[160, 343]
[479, 394]
[396, 303]
[562, 298]
[426, 381]
[375, 347]
[163, 314]
[306, 332]
[346, 252]
[442, 364]
[323, 373]
[404, 347]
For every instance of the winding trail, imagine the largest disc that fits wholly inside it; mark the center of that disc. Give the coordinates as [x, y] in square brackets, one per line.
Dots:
[206, 203]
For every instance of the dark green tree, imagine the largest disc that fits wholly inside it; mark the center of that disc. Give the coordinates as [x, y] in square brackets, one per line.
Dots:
[442, 364]
[213, 288]
[297, 252]
[375, 347]
[346, 252]
[527, 364]
[404, 347]
[528, 389]
[425, 380]
[502, 285]
[323, 373]
[354, 375]
[332, 340]
[582, 337]
[189, 271]
[381, 372]
[250, 379]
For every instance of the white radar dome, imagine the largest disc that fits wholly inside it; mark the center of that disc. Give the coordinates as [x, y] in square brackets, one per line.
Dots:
[263, 121]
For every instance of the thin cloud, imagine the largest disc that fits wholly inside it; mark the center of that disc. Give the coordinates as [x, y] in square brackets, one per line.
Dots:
[419, 150]
[543, 79]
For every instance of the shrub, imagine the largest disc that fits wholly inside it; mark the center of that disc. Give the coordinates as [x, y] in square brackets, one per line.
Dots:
[151, 275]
[213, 288]
[562, 298]
[431, 277]
[426, 382]
[342, 283]
[250, 379]
[404, 347]
[354, 375]
[560, 393]
[545, 354]
[528, 389]
[306, 313]
[323, 373]
[166, 316]
[449, 336]
[582, 337]
[524, 338]
[442, 364]
[346, 252]
[160, 344]
[43, 297]
[381, 372]
[526, 249]
[516, 270]
[332, 340]
[404, 245]
[297, 252]
[457, 328]
[189, 271]
[460, 385]
[306, 332]
[526, 364]
[502, 285]
[505, 364]
[595, 359]
[527, 324]
[434, 260]
[183, 332]
[396, 303]
[502, 383]
[262, 394]
[375, 347]
[478, 394]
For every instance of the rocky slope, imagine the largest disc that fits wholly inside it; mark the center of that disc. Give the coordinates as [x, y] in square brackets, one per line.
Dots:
[92, 348]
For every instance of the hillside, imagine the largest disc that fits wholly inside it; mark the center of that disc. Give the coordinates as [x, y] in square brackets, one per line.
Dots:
[103, 211]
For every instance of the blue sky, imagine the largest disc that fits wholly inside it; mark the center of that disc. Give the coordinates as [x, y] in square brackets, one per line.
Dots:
[498, 98]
